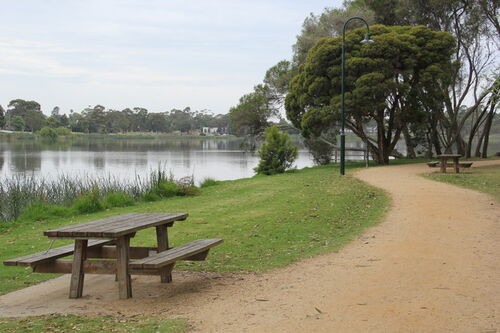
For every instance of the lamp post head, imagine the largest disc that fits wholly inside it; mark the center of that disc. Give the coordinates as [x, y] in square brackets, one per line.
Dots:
[367, 39]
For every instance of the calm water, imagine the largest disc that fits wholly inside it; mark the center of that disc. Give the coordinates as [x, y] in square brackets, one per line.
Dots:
[220, 159]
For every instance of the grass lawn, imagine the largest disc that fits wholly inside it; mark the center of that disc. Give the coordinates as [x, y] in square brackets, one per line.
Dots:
[71, 323]
[266, 222]
[484, 179]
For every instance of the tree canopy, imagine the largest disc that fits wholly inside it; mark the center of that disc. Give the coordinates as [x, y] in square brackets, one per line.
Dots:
[27, 115]
[384, 81]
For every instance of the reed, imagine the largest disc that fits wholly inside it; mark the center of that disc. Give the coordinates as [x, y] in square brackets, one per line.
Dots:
[86, 193]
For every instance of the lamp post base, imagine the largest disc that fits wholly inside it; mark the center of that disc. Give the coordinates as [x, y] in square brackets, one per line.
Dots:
[342, 154]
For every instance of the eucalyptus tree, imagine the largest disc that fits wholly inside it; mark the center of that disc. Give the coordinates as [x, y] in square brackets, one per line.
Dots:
[384, 83]
[2, 117]
[470, 91]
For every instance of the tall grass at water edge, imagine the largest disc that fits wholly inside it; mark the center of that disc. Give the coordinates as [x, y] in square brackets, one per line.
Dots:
[85, 193]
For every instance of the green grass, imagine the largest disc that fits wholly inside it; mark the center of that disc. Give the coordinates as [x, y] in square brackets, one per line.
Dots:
[71, 323]
[266, 222]
[484, 179]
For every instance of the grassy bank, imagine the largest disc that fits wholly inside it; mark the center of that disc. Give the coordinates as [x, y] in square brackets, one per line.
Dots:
[71, 323]
[485, 179]
[266, 221]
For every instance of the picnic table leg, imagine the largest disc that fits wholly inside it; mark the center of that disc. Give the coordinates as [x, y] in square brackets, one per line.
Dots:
[443, 165]
[122, 261]
[162, 240]
[455, 164]
[77, 274]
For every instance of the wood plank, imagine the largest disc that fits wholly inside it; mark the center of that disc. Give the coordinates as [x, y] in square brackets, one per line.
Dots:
[89, 267]
[109, 252]
[146, 220]
[77, 275]
[95, 223]
[443, 165]
[162, 241]
[175, 254]
[117, 226]
[455, 164]
[122, 262]
[198, 257]
[95, 228]
[52, 254]
[142, 225]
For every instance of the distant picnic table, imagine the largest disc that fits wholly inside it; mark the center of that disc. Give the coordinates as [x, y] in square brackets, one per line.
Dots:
[109, 238]
[444, 158]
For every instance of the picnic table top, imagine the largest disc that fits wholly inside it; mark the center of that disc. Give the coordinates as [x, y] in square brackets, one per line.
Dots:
[449, 155]
[116, 226]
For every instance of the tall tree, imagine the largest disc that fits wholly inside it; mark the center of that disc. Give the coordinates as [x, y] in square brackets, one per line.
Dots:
[328, 24]
[30, 111]
[2, 117]
[252, 115]
[475, 26]
[158, 122]
[384, 83]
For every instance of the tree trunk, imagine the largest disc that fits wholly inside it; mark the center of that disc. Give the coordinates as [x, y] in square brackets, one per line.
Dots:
[479, 144]
[410, 151]
[487, 128]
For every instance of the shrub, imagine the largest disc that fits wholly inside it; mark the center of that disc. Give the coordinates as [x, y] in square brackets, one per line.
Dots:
[276, 153]
[89, 202]
[17, 123]
[118, 199]
[48, 133]
[39, 211]
[208, 182]
[188, 191]
[151, 196]
[62, 131]
[166, 189]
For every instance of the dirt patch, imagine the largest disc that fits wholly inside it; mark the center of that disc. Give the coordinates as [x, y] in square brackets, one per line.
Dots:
[431, 266]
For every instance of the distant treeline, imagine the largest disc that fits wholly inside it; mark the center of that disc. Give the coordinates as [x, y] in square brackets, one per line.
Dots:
[22, 115]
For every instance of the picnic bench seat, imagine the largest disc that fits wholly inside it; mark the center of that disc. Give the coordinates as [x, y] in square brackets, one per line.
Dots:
[34, 259]
[461, 164]
[196, 250]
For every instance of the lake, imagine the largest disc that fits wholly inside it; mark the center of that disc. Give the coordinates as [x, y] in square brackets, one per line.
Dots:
[218, 158]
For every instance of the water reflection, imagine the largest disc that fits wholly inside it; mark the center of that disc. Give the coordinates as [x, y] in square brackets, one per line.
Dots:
[202, 157]
[2, 158]
[216, 158]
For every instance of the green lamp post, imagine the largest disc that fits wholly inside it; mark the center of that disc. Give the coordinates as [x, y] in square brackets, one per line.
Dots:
[367, 39]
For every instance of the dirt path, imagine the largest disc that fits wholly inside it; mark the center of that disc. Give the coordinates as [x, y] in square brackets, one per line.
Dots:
[431, 266]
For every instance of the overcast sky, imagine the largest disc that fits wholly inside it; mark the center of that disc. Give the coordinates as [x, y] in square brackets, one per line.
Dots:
[155, 54]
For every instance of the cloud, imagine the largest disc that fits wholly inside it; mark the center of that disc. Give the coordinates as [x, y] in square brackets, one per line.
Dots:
[60, 51]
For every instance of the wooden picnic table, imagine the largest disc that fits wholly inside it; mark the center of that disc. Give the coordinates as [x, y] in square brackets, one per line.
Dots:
[444, 158]
[92, 240]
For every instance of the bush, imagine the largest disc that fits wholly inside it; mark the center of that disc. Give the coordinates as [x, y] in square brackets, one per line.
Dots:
[188, 191]
[276, 153]
[62, 131]
[17, 123]
[48, 133]
[208, 182]
[39, 211]
[151, 196]
[118, 199]
[89, 202]
[166, 189]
